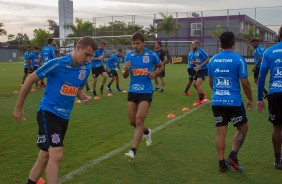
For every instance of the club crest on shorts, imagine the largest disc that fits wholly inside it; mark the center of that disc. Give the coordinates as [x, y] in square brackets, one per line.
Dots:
[82, 74]
[146, 59]
[56, 138]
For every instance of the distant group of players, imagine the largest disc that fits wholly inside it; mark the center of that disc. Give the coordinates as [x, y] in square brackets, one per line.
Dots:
[226, 71]
[34, 58]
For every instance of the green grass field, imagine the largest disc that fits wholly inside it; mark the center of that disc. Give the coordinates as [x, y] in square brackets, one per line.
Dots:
[183, 152]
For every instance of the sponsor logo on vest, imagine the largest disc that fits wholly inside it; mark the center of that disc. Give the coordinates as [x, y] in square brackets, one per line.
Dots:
[69, 90]
[140, 71]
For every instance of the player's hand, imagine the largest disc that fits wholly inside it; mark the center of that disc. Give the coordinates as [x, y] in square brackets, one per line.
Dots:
[18, 114]
[86, 99]
[254, 69]
[152, 75]
[115, 64]
[249, 105]
[260, 106]
[198, 67]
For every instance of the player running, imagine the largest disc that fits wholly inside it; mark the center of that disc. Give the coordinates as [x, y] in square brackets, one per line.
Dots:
[139, 64]
[111, 64]
[226, 70]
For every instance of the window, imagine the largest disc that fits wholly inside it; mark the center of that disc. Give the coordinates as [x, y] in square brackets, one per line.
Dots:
[196, 29]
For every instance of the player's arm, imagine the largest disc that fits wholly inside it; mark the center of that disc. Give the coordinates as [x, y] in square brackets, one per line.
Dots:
[18, 110]
[160, 68]
[211, 81]
[261, 82]
[125, 71]
[198, 67]
[165, 59]
[248, 91]
[82, 96]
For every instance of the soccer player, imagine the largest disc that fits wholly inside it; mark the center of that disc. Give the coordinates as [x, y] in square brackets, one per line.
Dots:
[47, 53]
[226, 70]
[272, 60]
[98, 67]
[27, 64]
[163, 57]
[35, 59]
[139, 64]
[66, 78]
[259, 50]
[191, 71]
[113, 63]
[199, 61]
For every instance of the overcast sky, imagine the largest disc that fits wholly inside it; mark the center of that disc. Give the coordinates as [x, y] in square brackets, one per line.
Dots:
[19, 16]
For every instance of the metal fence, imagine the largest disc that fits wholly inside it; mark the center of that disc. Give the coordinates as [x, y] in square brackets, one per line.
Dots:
[264, 16]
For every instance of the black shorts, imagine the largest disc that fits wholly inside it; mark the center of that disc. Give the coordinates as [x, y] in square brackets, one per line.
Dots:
[275, 108]
[35, 68]
[225, 114]
[113, 73]
[191, 73]
[256, 73]
[139, 97]
[98, 71]
[162, 74]
[201, 74]
[26, 70]
[52, 130]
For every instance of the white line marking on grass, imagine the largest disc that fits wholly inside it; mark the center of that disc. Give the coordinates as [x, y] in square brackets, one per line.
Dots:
[119, 149]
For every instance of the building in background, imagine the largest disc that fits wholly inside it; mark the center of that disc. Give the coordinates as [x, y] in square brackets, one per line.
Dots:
[200, 28]
[65, 17]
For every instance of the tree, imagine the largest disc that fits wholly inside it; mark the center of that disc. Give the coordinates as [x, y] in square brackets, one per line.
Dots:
[248, 36]
[80, 28]
[150, 32]
[19, 39]
[216, 34]
[2, 31]
[54, 28]
[167, 25]
[40, 37]
[11, 37]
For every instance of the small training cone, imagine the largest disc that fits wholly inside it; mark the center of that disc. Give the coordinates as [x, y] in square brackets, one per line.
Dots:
[124, 91]
[185, 109]
[16, 92]
[77, 101]
[96, 98]
[170, 116]
[40, 181]
[32, 90]
[110, 94]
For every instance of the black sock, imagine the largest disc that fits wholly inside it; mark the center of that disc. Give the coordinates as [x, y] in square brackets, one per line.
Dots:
[201, 96]
[222, 162]
[146, 131]
[233, 155]
[29, 181]
[109, 85]
[186, 90]
[277, 157]
[117, 86]
[102, 87]
[134, 150]
[94, 93]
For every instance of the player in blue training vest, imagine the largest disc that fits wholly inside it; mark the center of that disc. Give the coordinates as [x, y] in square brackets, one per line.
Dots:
[139, 64]
[226, 70]
[66, 78]
[200, 60]
[111, 64]
[191, 71]
[259, 50]
[47, 53]
[272, 60]
[27, 63]
[163, 57]
[98, 67]
[35, 59]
